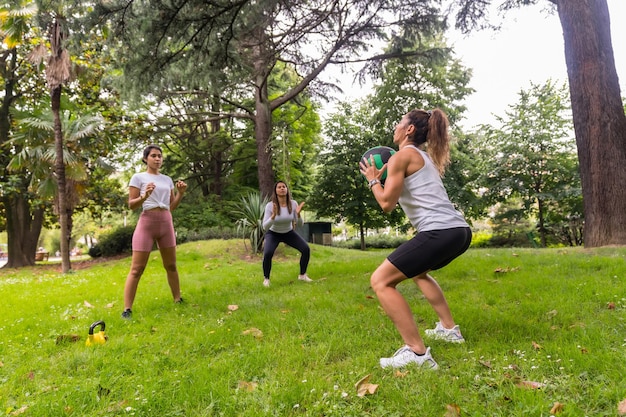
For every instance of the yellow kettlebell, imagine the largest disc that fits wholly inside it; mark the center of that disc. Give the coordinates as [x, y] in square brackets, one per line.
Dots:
[98, 338]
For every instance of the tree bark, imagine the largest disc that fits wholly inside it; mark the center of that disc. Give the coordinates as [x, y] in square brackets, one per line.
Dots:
[599, 119]
[55, 98]
[23, 229]
[23, 226]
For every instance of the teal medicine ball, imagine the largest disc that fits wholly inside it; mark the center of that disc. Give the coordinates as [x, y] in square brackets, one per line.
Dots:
[379, 155]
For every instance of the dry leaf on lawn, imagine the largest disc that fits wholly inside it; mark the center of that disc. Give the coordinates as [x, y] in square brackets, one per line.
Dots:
[86, 303]
[247, 386]
[537, 346]
[19, 411]
[530, 384]
[486, 364]
[233, 307]
[363, 387]
[621, 408]
[556, 408]
[254, 332]
[452, 410]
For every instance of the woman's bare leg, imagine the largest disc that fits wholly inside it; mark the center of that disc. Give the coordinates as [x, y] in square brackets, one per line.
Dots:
[383, 282]
[138, 265]
[168, 255]
[434, 295]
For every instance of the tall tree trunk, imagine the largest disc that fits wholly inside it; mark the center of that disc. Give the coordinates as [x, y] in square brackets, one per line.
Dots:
[23, 227]
[55, 97]
[599, 120]
[263, 134]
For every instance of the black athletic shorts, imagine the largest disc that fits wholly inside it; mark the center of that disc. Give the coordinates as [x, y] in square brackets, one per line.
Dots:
[430, 250]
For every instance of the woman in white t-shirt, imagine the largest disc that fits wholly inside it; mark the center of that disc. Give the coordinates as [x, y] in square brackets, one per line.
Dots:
[414, 181]
[156, 194]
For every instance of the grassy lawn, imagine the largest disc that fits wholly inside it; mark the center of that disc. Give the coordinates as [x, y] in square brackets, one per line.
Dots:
[545, 331]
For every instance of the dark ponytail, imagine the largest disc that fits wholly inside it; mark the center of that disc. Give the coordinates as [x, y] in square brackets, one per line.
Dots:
[431, 127]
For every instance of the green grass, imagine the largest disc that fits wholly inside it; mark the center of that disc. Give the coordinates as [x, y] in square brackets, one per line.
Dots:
[543, 318]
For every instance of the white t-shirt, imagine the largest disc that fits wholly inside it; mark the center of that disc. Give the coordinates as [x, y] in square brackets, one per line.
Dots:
[160, 197]
[425, 201]
[283, 222]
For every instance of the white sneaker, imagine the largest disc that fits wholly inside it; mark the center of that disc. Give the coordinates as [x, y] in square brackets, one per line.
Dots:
[266, 282]
[405, 356]
[304, 278]
[452, 335]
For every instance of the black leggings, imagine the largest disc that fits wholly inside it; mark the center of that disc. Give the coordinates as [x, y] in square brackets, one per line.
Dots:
[291, 238]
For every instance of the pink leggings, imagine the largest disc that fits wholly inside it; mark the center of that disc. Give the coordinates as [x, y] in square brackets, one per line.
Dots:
[154, 225]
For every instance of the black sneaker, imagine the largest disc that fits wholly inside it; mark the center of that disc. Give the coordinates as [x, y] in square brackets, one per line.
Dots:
[127, 314]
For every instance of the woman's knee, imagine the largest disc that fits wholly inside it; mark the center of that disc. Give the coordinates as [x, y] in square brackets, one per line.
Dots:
[136, 271]
[378, 281]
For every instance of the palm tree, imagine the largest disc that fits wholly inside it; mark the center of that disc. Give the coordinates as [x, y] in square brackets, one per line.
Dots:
[37, 129]
[23, 219]
[58, 71]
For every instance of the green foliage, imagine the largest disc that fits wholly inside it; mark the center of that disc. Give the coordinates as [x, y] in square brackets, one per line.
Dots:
[373, 242]
[113, 243]
[207, 233]
[195, 214]
[532, 158]
[251, 210]
[341, 192]
[551, 316]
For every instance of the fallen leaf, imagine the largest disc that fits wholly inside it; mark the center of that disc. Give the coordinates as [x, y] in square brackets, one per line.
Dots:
[400, 374]
[611, 306]
[363, 387]
[621, 408]
[583, 350]
[86, 304]
[486, 364]
[233, 307]
[254, 332]
[530, 384]
[67, 338]
[110, 305]
[452, 410]
[19, 411]
[247, 386]
[537, 346]
[284, 311]
[556, 408]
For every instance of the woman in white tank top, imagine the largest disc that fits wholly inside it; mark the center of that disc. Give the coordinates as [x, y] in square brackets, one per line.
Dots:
[414, 181]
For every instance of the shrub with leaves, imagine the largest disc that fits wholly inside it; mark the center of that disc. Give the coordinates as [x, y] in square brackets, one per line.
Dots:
[250, 224]
[113, 243]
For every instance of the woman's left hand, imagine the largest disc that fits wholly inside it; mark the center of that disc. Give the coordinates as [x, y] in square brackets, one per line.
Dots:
[369, 170]
[299, 208]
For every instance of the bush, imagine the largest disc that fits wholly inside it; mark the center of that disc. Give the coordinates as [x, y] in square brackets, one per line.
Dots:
[183, 235]
[373, 242]
[114, 243]
[481, 239]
